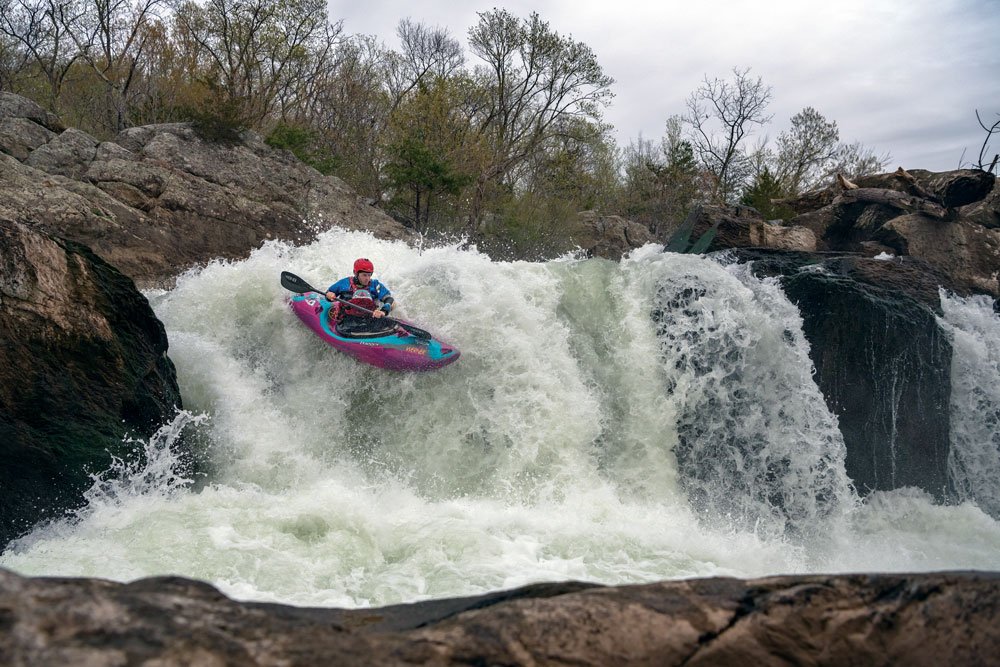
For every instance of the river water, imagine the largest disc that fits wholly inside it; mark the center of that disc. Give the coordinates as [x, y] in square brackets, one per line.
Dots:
[626, 422]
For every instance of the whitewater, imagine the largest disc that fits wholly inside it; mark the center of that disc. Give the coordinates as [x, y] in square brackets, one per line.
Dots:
[614, 422]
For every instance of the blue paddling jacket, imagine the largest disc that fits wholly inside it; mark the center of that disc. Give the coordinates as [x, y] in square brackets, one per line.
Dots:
[346, 287]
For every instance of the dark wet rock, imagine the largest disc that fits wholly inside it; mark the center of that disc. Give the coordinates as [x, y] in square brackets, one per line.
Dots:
[743, 226]
[882, 362]
[916, 619]
[951, 220]
[950, 189]
[82, 363]
[734, 223]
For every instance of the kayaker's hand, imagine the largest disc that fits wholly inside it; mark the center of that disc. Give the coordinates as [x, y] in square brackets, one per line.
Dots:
[330, 296]
[378, 313]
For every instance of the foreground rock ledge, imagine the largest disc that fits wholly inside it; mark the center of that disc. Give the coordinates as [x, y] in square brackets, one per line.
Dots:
[912, 619]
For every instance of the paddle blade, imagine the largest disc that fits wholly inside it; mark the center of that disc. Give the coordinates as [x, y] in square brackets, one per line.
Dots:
[679, 240]
[705, 240]
[293, 283]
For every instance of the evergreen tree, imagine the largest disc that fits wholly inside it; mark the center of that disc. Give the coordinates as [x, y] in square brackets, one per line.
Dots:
[766, 187]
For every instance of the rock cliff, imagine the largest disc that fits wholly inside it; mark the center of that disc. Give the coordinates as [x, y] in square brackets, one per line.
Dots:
[160, 199]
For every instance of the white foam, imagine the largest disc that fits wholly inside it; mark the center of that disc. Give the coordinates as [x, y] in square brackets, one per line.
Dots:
[547, 452]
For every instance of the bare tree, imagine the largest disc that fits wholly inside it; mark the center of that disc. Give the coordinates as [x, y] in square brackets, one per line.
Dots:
[805, 150]
[300, 95]
[111, 36]
[425, 52]
[351, 112]
[13, 58]
[854, 160]
[986, 144]
[533, 78]
[37, 35]
[721, 114]
[260, 52]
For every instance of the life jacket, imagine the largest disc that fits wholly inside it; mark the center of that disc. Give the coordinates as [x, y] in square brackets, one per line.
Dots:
[360, 296]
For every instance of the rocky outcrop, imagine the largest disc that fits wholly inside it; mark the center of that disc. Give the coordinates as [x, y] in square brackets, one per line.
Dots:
[967, 253]
[15, 106]
[608, 236]
[950, 220]
[921, 619]
[949, 189]
[882, 362]
[159, 199]
[985, 212]
[743, 227]
[82, 363]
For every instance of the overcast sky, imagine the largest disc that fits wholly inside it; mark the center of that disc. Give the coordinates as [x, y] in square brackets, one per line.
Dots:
[901, 76]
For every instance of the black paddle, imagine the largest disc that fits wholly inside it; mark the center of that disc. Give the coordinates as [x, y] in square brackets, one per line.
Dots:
[293, 283]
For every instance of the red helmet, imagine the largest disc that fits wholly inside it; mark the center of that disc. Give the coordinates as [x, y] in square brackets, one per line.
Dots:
[363, 265]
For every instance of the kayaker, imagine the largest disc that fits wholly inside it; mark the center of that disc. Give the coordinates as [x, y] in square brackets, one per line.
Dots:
[364, 291]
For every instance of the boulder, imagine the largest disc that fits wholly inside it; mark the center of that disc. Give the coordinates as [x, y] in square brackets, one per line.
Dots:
[918, 619]
[985, 212]
[608, 236]
[854, 216]
[83, 363]
[743, 226]
[20, 136]
[15, 106]
[882, 362]
[950, 189]
[734, 223]
[967, 253]
[781, 237]
[68, 154]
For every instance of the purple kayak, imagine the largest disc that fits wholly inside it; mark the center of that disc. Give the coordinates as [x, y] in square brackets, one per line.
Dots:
[396, 349]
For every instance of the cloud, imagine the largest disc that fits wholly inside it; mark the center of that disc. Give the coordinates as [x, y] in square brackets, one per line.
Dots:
[903, 77]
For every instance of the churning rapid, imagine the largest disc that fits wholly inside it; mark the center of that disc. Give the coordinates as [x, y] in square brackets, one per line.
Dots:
[612, 422]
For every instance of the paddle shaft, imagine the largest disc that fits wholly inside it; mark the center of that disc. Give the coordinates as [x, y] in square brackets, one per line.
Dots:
[293, 283]
[353, 305]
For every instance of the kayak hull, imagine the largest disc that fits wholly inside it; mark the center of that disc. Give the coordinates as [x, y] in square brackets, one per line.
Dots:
[397, 350]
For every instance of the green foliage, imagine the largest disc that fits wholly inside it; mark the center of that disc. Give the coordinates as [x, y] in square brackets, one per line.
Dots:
[219, 121]
[577, 166]
[805, 150]
[661, 182]
[431, 155]
[765, 188]
[289, 137]
[417, 169]
[530, 227]
[302, 143]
